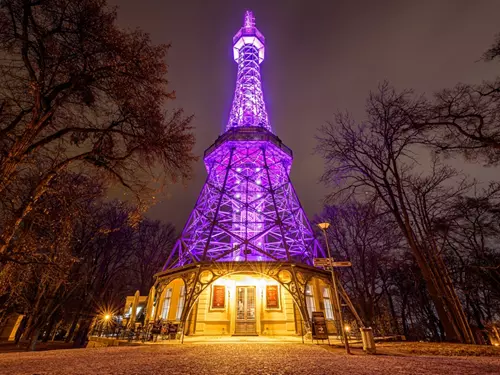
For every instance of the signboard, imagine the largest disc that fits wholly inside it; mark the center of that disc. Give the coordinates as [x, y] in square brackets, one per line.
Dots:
[272, 297]
[342, 264]
[218, 297]
[328, 262]
[319, 330]
[322, 262]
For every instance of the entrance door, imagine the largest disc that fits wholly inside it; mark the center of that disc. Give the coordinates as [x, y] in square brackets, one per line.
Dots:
[245, 311]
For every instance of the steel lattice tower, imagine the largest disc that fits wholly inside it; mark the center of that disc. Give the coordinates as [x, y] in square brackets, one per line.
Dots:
[248, 209]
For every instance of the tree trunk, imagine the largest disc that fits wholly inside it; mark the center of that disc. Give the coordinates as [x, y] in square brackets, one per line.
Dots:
[20, 330]
[394, 318]
[34, 339]
[403, 316]
[55, 330]
[454, 303]
[49, 329]
[446, 321]
[72, 329]
[434, 282]
[81, 335]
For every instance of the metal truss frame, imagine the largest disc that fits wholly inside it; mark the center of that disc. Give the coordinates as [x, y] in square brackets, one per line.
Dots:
[249, 108]
[248, 209]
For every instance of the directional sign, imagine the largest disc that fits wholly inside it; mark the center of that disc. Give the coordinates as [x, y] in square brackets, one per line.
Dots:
[322, 262]
[328, 262]
[342, 264]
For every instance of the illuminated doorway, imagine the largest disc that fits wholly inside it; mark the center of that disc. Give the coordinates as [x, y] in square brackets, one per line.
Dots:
[245, 311]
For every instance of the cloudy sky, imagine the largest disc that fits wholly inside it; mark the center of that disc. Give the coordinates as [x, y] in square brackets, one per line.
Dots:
[321, 56]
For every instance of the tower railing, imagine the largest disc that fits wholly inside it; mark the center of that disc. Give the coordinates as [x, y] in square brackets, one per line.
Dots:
[246, 134]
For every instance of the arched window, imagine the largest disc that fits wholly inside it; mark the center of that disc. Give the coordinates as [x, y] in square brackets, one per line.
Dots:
[180, 305]
[328, 304]
[310, 301]
[166, 304]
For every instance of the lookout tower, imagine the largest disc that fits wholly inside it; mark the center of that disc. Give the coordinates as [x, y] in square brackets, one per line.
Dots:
[243, 263]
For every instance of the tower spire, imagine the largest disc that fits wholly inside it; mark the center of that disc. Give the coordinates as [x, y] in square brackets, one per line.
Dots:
[248, 109]
[249, 20]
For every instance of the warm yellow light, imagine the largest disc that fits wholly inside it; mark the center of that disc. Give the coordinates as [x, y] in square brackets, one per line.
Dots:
[347, 328]
[497, 344]
[260, 282]
[107, 317]
[224, 281]
[323, 226]
[257, 280]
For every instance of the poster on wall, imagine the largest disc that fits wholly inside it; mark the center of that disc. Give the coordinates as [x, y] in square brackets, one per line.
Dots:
[218, 297]
[272, 297]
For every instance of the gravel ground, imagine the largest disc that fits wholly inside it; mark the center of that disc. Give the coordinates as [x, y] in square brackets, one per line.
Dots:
[237, 358]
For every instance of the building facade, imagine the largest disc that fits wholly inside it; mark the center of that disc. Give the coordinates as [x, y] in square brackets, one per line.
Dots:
[243, 264]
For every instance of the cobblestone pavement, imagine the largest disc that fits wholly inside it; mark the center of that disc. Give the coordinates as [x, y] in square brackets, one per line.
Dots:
[235, 358]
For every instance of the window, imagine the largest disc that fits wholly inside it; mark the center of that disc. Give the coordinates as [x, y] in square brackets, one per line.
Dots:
[129, 312]
[180, 305]
[166, 304]
[328, 304]
[138, 311]
[309, 301]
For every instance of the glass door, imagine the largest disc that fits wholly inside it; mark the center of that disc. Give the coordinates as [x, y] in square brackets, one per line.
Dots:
[245, 311]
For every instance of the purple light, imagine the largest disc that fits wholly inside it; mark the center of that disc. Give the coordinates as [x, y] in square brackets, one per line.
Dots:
[249, 19]
[248, 209]
[248, 107]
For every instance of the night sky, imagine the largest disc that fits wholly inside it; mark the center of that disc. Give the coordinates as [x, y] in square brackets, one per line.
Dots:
[321, 56]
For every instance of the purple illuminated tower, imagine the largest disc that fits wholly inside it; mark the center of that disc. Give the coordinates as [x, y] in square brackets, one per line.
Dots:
[243, 264]
[248, 210]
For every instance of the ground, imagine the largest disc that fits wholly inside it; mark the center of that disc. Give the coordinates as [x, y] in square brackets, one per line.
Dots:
[237, 358]
[434, 348]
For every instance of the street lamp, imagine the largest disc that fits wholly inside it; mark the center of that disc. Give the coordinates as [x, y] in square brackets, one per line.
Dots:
[105, 323]
[324, 227]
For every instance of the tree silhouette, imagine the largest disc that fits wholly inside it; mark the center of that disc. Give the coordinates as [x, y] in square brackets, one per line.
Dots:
[79, 93]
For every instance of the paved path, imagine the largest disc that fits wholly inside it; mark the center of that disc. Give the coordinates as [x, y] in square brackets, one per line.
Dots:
[237, 358]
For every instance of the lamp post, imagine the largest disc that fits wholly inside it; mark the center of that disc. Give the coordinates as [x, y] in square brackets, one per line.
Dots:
[324, 227]
[106, 319]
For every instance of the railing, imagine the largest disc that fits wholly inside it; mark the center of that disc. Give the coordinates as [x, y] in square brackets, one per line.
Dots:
[152, 332]
[245, 134]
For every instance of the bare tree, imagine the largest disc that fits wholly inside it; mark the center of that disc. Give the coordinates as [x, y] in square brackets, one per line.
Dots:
[466, 118]
[91, 255]
[366, 237]
[377, 158]
[473, 234]
[39, 288]
[153, 242]
[78, 92]
[104, 243]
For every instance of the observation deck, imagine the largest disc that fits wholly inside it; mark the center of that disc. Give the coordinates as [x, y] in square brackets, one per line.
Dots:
[248, 134]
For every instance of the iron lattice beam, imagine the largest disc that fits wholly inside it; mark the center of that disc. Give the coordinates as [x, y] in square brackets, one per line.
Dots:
[247, 210]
